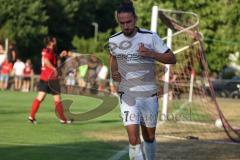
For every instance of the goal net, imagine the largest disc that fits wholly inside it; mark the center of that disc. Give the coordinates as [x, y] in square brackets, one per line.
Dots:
[193, 111]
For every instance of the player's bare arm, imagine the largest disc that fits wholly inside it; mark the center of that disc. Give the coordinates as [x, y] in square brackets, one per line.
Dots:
[166, 58]
[116, 76]
[47, 63]
[14, 54]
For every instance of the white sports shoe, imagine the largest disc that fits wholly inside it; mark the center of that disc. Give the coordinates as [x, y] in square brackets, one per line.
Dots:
[32, 120]
[66, 122]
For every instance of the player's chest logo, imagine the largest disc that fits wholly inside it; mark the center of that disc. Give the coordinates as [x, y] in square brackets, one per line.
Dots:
[123, 45]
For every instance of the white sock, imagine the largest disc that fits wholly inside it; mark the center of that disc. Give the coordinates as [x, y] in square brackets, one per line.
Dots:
[135, 152]
[149, 150]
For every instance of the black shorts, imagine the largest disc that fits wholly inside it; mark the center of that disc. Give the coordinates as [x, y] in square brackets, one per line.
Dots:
[51, 86]
[27, 78]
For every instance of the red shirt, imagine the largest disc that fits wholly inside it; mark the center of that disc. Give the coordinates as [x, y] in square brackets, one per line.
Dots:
[27, 70]
[6, 68]
[46, 72]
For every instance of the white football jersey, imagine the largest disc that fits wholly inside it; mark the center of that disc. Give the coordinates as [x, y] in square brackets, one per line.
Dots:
[138, 73]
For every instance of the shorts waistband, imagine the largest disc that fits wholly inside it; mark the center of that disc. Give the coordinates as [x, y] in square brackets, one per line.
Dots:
[121, 93]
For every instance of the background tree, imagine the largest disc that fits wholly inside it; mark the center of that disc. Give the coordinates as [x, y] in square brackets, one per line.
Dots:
[23, 22]
[219, 23]
[68, 19]
[26, 22]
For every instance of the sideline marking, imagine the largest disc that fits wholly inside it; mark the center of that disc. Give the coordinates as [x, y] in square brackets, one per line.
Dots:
[119, 154]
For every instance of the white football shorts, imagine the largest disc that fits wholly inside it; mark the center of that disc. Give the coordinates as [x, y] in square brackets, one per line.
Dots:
[141, 111]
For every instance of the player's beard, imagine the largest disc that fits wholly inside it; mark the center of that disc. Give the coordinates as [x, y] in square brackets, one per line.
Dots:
[129, 32]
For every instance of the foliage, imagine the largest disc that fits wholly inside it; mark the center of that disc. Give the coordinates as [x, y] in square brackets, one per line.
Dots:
[71, 19]
[27, 21]
[89, 45]
[83, 45]
[23, 21]
[219, 23]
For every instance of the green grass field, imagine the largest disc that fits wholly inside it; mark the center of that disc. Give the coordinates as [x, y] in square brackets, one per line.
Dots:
[20, 140]
[96, 139]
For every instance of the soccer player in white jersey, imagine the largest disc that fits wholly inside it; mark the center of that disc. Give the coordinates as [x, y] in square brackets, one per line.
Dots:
[133, 53]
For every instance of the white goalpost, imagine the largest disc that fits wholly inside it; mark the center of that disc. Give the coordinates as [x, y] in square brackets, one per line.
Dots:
[170, 34]
[167, 66]
[6, 45]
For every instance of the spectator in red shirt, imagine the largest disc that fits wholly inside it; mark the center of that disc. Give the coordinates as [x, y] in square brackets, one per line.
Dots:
[27, 74]
[49, 82]
[5, 73]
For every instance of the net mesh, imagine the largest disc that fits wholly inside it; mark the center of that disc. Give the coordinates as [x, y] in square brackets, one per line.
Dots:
[193, 111]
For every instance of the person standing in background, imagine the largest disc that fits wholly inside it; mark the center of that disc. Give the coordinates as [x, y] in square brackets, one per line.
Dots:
[70, 81]
[12, 53]
[92, 73]
[5, 74]
[102, 76]
[18, 69]
[81, 73]
[27, 74]
[2, 56]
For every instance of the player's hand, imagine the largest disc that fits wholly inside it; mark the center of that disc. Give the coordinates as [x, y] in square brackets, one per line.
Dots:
[143, 51]
[64, 53]
[55, 73]
[116, 76]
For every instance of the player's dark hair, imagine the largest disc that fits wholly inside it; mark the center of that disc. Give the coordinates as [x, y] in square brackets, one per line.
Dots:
[49, 39]
[126, 7]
